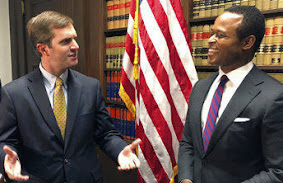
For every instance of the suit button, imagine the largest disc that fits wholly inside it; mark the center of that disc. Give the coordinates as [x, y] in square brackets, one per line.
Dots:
[66, 161]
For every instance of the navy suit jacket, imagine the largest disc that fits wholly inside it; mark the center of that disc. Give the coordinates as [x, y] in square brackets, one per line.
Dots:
[247, 142]
[28, 125]
[0, 90]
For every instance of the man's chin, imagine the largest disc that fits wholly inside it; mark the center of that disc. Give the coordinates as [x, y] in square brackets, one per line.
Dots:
[74, 62]
[212, 62]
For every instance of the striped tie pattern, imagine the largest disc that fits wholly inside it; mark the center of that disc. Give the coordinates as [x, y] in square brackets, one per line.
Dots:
[213, 112]
[60, 110]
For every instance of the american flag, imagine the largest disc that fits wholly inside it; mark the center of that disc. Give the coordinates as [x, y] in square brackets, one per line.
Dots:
[158, 98]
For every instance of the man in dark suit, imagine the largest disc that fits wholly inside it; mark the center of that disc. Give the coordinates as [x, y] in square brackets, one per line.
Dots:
[242, 140]
[33, 146]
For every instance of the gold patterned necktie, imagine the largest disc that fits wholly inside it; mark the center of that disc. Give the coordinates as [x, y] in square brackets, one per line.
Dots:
[60, 110]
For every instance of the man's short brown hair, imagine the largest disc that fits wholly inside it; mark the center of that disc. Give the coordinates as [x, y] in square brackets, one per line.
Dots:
[40, 28]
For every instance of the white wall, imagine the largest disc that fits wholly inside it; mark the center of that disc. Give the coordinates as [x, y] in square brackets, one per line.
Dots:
[5, 45]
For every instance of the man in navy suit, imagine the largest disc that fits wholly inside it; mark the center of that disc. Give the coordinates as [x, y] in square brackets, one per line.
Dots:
[33, 147]
[246, 143]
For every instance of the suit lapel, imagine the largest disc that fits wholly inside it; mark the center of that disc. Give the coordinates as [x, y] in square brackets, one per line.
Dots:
[246, 92]
[201, 95]
[74, 93]
[38, 92]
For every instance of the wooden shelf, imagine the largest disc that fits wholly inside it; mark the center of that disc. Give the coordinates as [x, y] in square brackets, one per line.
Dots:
[115, 32]
[203, 20]
[110, 70]
[115, 103]
[277, 69]
[207, 68]
[274, 12]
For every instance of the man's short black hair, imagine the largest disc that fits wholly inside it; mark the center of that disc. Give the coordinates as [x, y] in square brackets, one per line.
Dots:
[253, 23]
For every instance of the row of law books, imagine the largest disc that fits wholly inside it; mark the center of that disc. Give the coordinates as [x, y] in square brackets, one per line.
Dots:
[123, 121]
[113, 85]
[115, 48]
[269, 53]
[118, 13]
[212, 8]
[199, 41]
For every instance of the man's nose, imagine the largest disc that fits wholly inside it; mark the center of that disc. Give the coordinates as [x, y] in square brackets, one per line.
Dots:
[75, 45]
[212, 39]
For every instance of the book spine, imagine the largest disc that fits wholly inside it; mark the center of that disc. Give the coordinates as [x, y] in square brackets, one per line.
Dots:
[259, 4]
[110, 14]
[108, 85]
[122, 13]
[206, 36]
[111, 52]
[214, 8]
[221, 7]
[208, 4]
[127, 11]
[266, 5]
[277, 41]
[273, 4]
[244, 2]
[116, 14]
[268, 41]
[201, 8]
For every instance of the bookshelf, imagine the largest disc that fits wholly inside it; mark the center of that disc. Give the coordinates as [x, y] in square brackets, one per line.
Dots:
[269, 57]
[115, 31]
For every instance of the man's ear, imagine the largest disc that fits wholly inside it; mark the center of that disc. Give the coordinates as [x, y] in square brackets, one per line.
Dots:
[43, 49]
[248, 42]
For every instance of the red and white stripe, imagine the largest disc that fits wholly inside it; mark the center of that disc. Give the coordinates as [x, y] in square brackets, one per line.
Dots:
[160, 95]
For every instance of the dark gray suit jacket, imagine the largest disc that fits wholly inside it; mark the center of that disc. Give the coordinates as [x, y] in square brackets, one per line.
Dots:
[0, 90]
[28, 125]
[250, 151]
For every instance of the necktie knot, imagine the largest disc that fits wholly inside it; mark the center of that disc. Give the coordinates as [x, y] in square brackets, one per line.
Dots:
[59, 82]
[223, 80]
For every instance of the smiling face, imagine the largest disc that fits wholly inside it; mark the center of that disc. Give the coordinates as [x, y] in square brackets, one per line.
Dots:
[225, 49]
[63, 52]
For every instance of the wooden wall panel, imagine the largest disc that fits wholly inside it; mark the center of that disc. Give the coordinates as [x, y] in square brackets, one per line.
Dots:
[95, 40]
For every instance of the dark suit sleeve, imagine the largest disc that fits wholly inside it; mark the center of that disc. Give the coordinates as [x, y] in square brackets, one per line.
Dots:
[108, 138]
[8, 126]
[272, 144]
[186, 149]
[0, 90]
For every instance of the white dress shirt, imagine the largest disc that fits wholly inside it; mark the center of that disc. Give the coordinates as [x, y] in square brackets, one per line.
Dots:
[49, 83]
[235, 79]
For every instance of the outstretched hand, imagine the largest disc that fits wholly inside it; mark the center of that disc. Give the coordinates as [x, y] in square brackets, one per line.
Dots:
[13, 166]
[127, 159]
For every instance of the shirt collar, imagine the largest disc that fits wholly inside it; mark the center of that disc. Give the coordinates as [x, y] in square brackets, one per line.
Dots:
[238, 75]
[50, 79]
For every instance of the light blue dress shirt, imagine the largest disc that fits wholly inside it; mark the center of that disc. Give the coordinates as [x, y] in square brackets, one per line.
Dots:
[49, 83]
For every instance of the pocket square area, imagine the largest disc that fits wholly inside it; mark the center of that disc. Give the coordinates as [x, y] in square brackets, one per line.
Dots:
[241, 120]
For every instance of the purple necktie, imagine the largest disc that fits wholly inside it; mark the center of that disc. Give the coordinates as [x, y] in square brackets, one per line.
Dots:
[213, 112]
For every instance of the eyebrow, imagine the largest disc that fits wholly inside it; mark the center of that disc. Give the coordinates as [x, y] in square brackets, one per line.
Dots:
[65, 39]
[68, 38]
